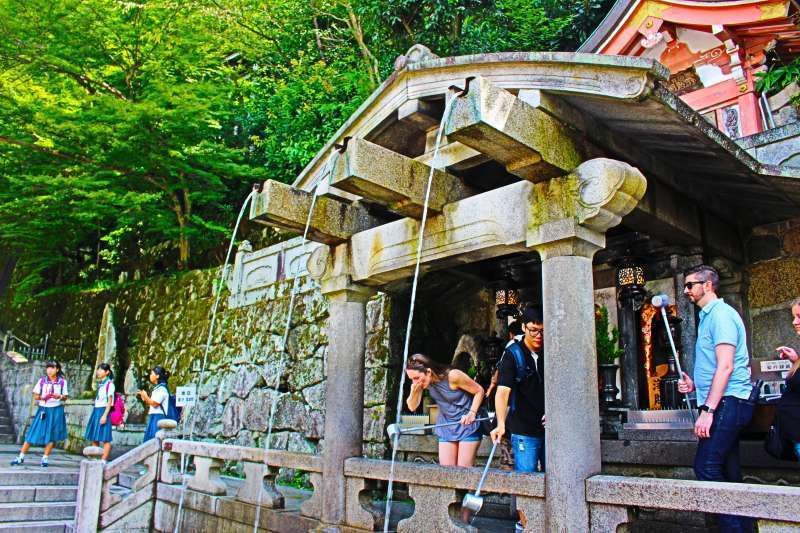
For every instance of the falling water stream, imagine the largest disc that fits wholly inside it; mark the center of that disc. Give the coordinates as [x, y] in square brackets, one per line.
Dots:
[192, 413]
[420, 240]
[287, 323]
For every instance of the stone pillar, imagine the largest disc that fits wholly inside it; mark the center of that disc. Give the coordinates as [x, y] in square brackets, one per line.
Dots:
[572, 438]
[90, 483]
[344, 393]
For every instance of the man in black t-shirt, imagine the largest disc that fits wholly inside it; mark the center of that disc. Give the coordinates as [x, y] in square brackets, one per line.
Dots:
[520, 386]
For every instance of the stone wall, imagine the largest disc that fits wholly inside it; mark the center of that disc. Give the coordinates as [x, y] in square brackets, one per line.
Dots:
[18, 380]
[774, 281]
[165, 321]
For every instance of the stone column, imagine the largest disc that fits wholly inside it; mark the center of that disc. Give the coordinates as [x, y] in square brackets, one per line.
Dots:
[344, 392]
[572, 438]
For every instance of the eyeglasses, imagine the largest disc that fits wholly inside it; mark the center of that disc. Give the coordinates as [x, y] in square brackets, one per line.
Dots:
[536, 332]
[689, 284]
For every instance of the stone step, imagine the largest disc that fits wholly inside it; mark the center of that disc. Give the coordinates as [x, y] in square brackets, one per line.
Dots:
[128, 477]
[13, 476]
[50, 526]
[18, 512]
[29, 493]
[7, 439]
[6, 428]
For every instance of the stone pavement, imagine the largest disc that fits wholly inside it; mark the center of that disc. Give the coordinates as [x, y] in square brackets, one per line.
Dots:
[33, 498]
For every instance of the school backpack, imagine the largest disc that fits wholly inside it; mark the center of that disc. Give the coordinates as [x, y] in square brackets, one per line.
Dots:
[117, 414]
[60, 384]
[173, 412]
[523, 374]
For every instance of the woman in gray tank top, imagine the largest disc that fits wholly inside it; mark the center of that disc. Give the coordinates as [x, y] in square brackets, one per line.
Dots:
[458, 398]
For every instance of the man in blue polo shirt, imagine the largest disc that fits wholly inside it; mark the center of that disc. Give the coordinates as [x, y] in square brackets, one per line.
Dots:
[722, 382]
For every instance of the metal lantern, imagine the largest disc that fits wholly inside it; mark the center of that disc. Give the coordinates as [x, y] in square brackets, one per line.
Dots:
[630, 280]
[506, 298]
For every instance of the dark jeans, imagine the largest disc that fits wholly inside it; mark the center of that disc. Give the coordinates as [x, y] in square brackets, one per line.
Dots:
[717, 457]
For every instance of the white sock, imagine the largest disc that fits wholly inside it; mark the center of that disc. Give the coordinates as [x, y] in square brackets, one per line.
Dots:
[45, 458]
[21, 456]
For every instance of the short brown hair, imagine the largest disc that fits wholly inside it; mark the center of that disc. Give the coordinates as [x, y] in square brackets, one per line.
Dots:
[708, 272]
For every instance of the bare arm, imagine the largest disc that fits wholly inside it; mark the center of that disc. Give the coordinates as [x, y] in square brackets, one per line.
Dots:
[460, 380]
[725, 354]
[414, 397]
[500, 411]
[146, 399]
[722, 375]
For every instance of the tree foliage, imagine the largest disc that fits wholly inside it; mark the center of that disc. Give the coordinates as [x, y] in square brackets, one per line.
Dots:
[130, 132]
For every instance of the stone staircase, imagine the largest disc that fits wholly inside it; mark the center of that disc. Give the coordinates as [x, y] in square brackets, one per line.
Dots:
[34, 498]
[7, 434]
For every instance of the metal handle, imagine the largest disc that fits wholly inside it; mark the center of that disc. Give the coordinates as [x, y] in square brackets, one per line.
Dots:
[432, 426]
[485, 470]
[677, 359]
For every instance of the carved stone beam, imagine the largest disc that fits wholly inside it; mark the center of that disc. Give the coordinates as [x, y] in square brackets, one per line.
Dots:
[509, 219]
[332, 221]
[530, 143]
[395, 181]
[421, 114]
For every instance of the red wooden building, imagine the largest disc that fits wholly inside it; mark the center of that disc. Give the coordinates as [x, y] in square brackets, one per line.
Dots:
[713, 49]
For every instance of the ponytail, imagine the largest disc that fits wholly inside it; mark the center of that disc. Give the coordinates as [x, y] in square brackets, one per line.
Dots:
[162, 374]
[107, 368]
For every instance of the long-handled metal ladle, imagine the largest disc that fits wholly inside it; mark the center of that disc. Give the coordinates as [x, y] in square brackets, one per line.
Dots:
[474, 502]
[395, 430]
[662, 301]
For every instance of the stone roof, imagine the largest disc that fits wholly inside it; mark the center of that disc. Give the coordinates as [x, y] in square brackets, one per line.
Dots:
[614, 102]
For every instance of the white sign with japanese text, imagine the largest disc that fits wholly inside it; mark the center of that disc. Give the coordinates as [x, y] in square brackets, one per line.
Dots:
[186, 395]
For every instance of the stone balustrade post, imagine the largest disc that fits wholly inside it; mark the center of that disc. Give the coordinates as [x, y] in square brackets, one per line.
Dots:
[206, 476]
[87, 508]
[344, 393]
[260, 477]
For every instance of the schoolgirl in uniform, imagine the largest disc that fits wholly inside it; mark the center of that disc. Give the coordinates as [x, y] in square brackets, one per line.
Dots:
[99, 428]
[49, 424]
[157, 400]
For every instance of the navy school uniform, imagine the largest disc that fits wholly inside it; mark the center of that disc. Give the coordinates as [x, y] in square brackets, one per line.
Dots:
[95, 431]
[49, 423]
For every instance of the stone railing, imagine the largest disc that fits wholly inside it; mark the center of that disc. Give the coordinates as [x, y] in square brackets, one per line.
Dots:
[612, 498]
[436, 491]
[150, 498]
[128, 493]
[212, 499]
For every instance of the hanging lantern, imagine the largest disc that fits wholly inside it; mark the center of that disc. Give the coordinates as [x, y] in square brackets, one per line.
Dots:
[506, 298]
[630, 280]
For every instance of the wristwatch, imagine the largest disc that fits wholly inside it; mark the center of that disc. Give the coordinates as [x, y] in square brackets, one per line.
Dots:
[706, 408]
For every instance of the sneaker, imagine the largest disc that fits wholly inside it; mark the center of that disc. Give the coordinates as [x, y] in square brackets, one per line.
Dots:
[518, 527]
[44, 464]
[17, 461]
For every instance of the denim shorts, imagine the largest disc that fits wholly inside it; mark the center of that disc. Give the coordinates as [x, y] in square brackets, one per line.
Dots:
[475, 437]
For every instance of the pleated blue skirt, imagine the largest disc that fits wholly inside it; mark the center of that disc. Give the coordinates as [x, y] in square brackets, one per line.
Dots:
[49, 425]
[95, 431]
[152, 426]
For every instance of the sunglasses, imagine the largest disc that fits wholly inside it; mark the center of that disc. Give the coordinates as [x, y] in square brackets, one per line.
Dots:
[689, 284]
